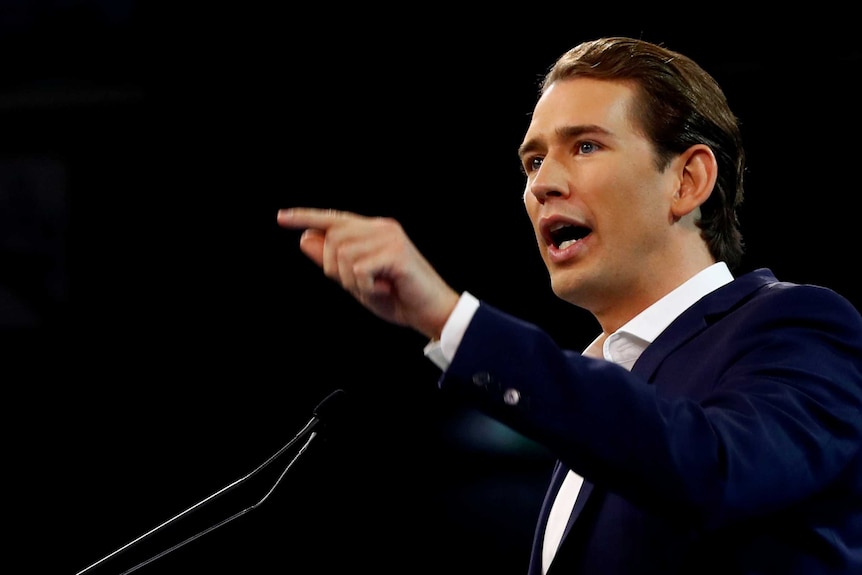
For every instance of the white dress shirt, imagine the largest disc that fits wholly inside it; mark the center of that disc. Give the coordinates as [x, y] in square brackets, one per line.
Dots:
[623, 347]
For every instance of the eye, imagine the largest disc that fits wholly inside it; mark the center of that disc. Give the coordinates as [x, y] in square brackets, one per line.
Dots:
[587, 147]
[531, 164]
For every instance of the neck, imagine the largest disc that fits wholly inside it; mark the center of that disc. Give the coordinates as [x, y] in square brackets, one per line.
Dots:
[638, 296]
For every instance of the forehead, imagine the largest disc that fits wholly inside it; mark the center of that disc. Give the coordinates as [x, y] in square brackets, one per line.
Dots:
[583, 101]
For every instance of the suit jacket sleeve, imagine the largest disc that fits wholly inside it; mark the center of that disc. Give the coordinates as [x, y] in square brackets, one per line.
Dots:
[750, 402]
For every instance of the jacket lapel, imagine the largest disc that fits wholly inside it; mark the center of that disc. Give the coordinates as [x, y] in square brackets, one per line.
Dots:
[698, 317]
[691, 322]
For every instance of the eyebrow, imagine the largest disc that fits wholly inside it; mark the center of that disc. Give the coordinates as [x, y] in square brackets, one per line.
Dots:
[563, 133]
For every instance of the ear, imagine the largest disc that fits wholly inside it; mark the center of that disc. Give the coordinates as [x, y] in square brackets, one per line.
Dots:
[698, 170]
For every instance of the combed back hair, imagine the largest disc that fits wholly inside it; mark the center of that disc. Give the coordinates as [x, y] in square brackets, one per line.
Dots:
[677, 105]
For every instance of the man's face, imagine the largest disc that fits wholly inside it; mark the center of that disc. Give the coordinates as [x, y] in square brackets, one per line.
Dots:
[599, 206]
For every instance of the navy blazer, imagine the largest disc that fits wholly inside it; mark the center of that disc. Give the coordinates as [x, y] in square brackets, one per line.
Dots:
[733, 446]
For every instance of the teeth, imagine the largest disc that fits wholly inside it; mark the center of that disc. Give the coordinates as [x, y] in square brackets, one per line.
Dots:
[567, 243]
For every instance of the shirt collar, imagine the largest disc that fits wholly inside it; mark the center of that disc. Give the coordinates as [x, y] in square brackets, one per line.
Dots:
[626, 344]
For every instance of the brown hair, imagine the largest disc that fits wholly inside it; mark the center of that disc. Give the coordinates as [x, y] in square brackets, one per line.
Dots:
[678, 105]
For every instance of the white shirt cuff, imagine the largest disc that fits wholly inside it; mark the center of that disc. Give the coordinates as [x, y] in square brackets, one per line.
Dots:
[441, 352]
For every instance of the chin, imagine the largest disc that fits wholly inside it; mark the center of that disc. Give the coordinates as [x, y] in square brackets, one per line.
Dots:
[569, 287]
[564, 290]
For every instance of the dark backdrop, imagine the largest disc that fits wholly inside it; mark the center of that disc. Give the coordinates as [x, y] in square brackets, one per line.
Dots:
[163, 337]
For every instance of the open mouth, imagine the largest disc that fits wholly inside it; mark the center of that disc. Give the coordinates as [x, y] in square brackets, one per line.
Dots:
[563, 235]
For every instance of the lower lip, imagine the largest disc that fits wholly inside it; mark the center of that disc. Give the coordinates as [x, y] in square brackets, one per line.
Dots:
[557, 256]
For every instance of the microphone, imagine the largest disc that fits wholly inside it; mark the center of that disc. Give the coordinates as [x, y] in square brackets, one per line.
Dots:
[330, 407]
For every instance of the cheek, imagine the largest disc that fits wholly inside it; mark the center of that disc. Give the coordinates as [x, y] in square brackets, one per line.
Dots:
[532, 207]
[633, 192]
[531, 204]
[526, 195]
[640, 220]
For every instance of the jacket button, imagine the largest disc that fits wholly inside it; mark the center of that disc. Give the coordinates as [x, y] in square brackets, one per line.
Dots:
[482, 379]
[511, 397]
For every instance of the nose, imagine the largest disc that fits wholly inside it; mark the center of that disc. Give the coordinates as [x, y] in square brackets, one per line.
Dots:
[548, 181]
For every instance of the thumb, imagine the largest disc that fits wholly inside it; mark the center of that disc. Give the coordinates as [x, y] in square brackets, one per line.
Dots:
[311, 244]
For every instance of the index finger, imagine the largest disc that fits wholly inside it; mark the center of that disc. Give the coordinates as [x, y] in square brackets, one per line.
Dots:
[301, 218]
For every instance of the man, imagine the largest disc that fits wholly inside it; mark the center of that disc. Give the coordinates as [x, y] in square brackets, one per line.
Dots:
[715, 423]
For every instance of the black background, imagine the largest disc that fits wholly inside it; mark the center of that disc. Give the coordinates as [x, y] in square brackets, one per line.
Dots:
[164, 337]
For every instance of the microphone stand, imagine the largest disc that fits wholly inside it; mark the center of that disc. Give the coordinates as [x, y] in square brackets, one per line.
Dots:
[327, 403]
